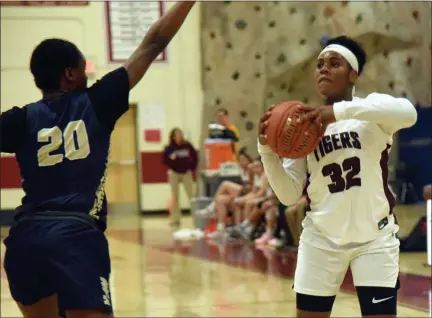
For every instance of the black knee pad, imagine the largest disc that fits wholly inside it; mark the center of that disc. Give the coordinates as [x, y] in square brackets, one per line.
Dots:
[315, 303]
[377, 300]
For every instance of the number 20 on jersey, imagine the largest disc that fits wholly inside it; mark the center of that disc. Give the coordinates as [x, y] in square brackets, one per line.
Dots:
[74, 140]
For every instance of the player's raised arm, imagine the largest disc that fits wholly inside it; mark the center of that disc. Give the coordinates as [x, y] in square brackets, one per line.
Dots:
[388, 112]
[156, 40]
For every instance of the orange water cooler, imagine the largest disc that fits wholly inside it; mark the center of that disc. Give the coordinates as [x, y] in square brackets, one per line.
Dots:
[217, 151]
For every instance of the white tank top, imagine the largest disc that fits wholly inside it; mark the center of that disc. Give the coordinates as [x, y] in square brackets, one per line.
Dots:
[244, 176]
[257, 181]
[269, 191]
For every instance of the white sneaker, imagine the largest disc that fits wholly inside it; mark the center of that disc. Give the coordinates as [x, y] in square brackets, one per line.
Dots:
[197, 234]
[274, 242]
[215, 235]
[204, 212]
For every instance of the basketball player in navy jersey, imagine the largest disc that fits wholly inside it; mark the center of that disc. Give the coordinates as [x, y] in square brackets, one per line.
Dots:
[57, 255]
[350, 222]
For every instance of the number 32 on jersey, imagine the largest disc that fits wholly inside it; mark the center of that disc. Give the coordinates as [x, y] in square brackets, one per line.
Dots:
[74, 140]
[335, 172]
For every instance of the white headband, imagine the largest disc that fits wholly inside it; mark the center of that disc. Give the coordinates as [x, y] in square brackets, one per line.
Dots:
[345, 53]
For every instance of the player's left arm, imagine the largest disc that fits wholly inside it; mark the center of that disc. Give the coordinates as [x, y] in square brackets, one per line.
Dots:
[12, 129]
[390, 113]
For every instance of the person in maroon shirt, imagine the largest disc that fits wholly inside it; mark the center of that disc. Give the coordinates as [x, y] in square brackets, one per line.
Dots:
[181, 159]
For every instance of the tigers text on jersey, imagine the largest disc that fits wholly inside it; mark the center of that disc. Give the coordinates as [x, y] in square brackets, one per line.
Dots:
[62, 147]
[347, 175]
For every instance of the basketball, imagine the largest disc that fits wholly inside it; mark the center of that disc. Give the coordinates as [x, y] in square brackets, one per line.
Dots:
[286, 137]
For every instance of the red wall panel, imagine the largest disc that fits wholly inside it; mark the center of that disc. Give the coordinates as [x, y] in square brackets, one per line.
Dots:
[152, 170]
[10, 176]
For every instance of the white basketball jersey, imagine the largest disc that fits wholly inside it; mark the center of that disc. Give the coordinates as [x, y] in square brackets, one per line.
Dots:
[350, 200]
[346, 177]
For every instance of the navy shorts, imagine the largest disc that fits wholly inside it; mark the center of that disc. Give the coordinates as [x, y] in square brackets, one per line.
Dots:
[66, 256]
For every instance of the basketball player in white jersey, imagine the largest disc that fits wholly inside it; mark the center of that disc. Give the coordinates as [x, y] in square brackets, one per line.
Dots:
[350, 222]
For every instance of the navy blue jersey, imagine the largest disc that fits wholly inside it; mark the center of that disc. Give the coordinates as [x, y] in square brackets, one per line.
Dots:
[62, 146]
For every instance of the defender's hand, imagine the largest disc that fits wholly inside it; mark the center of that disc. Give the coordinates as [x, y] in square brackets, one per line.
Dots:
[262, 128]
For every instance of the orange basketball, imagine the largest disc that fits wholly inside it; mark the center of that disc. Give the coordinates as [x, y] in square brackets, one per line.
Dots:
[286, 137]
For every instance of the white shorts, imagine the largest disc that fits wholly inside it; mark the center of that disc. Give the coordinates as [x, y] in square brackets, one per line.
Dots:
[320, 272]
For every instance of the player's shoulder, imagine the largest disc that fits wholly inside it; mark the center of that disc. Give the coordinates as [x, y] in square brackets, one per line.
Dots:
[14, 114]
[373, 96]
[378, 95]
[117, 79]
[71, 102]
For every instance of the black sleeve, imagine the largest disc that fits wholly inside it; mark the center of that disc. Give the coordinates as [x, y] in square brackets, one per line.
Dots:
[228, 134]
[12, 129]
[110, 96]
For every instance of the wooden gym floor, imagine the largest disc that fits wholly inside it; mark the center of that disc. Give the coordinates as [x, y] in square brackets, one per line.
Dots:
[154, 276]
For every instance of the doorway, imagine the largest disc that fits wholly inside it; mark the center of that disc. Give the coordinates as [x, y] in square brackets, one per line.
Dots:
[122, 185]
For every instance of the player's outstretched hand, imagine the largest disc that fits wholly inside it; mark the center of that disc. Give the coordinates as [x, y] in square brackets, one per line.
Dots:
[262, 127]
[320, 117]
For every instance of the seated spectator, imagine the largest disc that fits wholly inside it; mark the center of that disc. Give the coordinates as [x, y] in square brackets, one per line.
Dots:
[244, 205]
[245, 228]
[181, 159]
[228, 189]
[224, 203]
[294, 216]
[282, 235]
[270, 208]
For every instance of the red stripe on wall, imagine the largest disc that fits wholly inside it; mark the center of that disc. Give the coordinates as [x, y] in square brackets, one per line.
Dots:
[10, 175]
[152, 170]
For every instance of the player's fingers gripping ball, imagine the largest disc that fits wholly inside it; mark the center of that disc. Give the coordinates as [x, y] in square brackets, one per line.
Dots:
[286, 136]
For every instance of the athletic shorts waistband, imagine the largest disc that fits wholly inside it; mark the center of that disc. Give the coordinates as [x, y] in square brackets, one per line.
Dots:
[56, 216]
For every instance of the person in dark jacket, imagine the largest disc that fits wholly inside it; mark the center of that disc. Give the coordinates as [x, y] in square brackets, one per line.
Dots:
[181, 159]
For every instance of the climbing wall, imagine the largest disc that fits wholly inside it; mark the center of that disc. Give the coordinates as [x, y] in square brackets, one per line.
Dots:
[234, 53]
[261, 53]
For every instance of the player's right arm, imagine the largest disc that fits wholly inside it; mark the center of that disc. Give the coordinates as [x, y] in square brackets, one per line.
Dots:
[156, 40]
[110, 95]
[287, 179]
